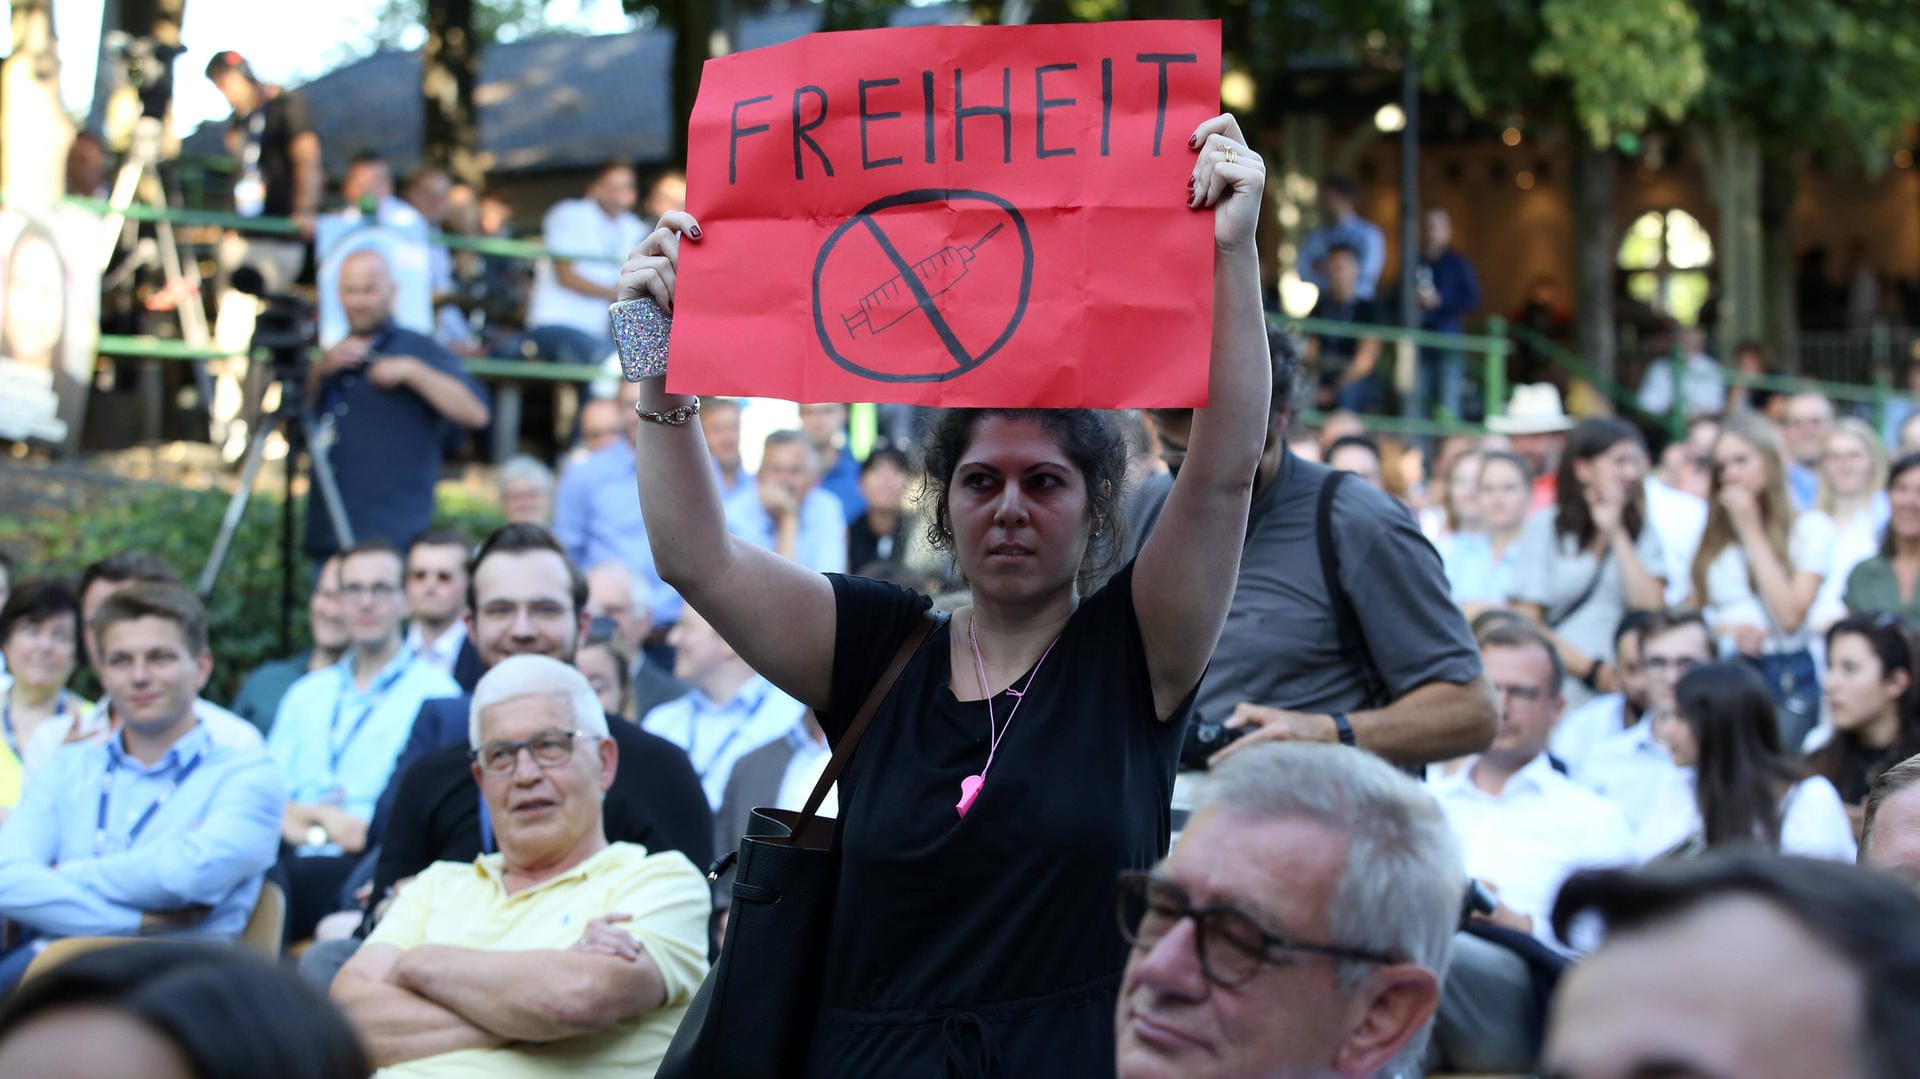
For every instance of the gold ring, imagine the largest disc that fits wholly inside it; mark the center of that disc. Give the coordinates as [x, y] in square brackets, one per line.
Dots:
[1228, 150]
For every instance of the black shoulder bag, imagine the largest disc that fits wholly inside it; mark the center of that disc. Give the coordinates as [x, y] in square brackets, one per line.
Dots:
[753, 1016]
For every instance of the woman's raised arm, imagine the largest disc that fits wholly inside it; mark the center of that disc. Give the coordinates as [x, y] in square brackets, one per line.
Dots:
[1184, 577]
[778, 615]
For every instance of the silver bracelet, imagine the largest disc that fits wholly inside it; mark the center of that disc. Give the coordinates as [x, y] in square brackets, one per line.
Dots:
[673, 417]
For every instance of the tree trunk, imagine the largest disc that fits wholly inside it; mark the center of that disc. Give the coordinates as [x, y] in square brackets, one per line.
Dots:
[32, 120]
[1732, 162]
[1593, 255]
[449, 66]
[692, 39]
[1777, 190]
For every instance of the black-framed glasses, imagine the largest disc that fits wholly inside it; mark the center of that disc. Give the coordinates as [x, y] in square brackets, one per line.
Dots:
[1230, 944]
[1661, 664]
[1524, 694]
[549, 749]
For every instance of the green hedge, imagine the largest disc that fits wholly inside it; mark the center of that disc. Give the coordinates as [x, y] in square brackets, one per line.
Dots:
[243, 614]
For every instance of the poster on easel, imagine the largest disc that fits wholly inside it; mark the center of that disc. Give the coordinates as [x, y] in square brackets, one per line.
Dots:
[49, 325]
[404, 249]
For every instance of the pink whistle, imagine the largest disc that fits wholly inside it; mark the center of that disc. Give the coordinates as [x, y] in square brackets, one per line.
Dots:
[969, 790]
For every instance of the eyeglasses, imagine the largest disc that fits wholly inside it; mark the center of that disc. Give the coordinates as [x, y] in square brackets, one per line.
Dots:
[1230, 945]
[1526, 694]
[549, 749]
[357, 592]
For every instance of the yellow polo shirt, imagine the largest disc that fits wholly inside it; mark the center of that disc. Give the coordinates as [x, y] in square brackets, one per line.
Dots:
[467, 906]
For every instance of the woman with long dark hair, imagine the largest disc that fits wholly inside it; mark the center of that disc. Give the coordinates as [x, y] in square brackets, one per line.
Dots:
[966, 927]
[1887, 582]
[1873, 701]
[1584, 563]
[1759, 568]
[1743, 788]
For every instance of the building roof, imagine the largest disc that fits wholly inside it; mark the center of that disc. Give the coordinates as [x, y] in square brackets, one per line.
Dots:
[554, 102]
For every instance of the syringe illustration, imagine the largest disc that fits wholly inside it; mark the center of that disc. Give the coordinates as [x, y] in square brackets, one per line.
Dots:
[894, 301]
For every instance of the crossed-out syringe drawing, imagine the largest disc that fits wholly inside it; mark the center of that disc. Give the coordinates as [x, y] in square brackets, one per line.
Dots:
[896, 299]
[969, 297]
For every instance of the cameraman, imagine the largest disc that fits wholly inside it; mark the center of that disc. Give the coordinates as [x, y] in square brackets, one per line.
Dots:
[385, 402]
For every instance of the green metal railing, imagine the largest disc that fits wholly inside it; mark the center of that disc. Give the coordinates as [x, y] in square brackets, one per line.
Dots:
[1494, 347]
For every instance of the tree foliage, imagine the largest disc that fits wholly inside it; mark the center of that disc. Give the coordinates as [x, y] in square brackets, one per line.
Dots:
[1832, 76]
[493, 20]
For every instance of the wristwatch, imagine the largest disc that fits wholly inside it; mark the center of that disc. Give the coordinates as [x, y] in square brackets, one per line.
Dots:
[1343, 729]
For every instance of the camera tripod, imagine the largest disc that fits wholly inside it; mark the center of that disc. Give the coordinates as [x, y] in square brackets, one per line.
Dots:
[291, 421]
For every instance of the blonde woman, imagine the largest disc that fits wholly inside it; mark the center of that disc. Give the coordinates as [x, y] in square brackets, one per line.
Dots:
[1853, 473]
[1759, 568]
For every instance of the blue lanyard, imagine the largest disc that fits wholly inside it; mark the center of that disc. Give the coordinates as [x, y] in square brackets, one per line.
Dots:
[336, 747]
[146, 817]
[6, 722]
[693, 730]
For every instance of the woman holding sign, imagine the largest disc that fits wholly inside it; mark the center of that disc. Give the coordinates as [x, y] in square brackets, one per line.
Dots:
[1026, 755]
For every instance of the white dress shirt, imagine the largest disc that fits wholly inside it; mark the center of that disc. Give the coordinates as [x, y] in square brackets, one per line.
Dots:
[1813, 821]
[1630, 770]
[444, 652]
[1527, 840]
[1585, 727]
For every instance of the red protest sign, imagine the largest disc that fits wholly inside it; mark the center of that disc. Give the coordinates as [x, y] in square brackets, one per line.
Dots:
[980, 216]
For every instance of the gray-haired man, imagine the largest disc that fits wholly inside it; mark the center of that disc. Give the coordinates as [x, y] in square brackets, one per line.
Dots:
[1300, 926]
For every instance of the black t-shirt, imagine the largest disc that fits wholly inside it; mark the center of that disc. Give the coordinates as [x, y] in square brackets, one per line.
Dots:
[655, 801]
[386, 446]
[286, 119]
[1336, 352]
[865, 547]
[1001, 921]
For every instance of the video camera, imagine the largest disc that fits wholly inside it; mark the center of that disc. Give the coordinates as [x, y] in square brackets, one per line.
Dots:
[146, 66]
[287, 330]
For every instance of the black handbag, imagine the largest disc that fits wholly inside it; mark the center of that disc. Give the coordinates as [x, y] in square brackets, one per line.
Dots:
[753, 1016]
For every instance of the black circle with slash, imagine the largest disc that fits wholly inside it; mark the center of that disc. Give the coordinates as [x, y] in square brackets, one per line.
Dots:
[919, 280]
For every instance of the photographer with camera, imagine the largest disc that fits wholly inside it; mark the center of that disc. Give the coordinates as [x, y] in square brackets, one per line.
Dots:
[385, 400]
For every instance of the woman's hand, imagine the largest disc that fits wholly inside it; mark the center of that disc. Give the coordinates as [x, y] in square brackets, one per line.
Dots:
[651, 268]
[1743, 510]
[1230, 178]
[1749, 639]
[1606, 507]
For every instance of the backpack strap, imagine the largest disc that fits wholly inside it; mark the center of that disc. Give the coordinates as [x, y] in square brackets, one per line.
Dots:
[1346, 622]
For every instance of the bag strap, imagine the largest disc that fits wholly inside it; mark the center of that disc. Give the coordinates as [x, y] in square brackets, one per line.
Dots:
[1579, 601]
[842, 753]
[1346, 622]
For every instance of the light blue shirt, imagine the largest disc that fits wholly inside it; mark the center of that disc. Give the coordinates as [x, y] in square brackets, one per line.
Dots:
[822, 544]
[1473, 574]
[596, 517]
[1356, 232]
[336, 744]
[207, 843]
[1630, 769]
[715, 736]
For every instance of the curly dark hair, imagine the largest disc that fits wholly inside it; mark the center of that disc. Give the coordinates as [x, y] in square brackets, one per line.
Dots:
[1092, 440]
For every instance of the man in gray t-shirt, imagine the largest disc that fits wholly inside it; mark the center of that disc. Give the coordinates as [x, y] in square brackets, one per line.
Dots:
[1416, 695]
